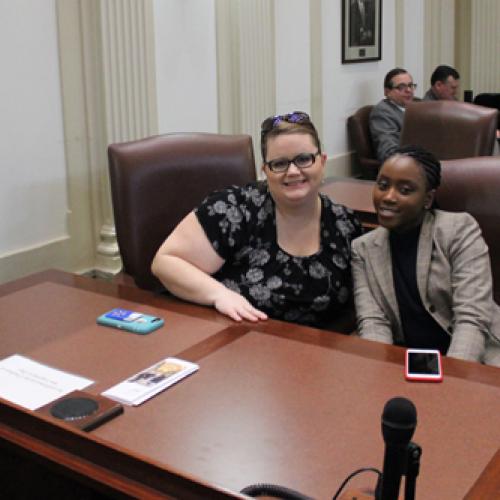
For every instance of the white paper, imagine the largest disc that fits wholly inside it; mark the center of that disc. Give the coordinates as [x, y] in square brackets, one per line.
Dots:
[145, 384]
[32, 385]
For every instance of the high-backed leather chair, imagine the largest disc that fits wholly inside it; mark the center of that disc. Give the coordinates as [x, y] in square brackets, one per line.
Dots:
[157, 181]
[361, 142]
[450, 129]
[472, 185]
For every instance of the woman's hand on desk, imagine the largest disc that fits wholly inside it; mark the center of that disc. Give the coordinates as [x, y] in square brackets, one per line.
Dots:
[236, 306]
[185, 263]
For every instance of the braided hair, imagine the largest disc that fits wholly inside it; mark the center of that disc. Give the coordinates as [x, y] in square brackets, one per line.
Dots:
[430, 165]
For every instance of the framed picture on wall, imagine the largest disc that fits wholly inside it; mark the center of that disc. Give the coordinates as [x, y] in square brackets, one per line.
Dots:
[361, 31]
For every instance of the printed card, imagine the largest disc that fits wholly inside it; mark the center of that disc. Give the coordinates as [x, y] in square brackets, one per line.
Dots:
[147, 383]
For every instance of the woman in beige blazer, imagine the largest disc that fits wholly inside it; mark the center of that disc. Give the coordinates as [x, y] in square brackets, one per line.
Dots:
[422, 279]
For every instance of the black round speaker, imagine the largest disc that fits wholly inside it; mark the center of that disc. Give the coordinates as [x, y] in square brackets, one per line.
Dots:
[74, 408]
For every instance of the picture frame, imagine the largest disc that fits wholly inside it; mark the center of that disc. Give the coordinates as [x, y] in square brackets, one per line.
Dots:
[361, 31]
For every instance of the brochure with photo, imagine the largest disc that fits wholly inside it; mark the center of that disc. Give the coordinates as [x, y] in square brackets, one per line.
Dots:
[147, 383]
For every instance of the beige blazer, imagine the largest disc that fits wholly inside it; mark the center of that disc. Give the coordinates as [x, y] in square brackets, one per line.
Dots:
[453, 279]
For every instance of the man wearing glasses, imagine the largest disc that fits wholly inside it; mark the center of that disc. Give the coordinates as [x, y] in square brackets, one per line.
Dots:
[386, 118]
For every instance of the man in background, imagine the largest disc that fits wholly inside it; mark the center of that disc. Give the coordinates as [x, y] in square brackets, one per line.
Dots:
[386, 118]
[444, 84]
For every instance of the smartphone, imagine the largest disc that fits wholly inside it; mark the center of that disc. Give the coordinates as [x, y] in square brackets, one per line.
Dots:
[423, 365]
[130, 321]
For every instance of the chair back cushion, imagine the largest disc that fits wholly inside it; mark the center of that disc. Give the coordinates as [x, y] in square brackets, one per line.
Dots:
[361, 142]
[473, 185]
[157, 181]
[450, 129]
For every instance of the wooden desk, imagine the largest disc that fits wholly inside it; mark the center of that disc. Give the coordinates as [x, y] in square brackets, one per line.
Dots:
[355, 194]
[272, 402]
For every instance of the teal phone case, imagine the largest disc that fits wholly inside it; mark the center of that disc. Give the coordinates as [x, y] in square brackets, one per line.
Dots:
[131, 321]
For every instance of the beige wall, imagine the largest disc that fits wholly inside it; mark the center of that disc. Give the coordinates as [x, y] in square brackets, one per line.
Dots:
[108, 83]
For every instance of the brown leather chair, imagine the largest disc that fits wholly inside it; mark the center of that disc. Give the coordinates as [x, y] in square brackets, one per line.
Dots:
[361, 142]
[157, 181]
[450, 129]
[472, 185]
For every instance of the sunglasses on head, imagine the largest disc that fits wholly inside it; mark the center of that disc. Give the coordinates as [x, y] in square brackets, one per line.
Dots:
[274, 121]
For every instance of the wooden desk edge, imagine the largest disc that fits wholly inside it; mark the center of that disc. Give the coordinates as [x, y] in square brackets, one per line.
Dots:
[487, 484]
[104, 465]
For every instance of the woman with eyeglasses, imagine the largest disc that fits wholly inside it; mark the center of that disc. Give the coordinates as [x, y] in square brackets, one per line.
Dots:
[422, 279]
[277, 248]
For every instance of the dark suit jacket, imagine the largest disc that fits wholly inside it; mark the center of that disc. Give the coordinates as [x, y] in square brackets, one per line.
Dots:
[430, 96]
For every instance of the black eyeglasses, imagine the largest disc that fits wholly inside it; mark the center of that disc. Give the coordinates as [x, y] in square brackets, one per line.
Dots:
[302, 160]
[273, 121]
[403, 86]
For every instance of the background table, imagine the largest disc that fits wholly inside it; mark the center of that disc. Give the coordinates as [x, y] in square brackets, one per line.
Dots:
[355, 194]
[272, 402]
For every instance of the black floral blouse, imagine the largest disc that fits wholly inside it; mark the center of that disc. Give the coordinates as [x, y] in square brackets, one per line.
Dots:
[241, 226]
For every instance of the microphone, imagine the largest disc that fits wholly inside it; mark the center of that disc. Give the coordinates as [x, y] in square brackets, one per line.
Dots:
[399, 420]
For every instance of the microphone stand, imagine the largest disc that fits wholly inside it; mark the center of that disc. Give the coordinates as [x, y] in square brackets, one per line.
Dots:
[410, 471]
[413, 455]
